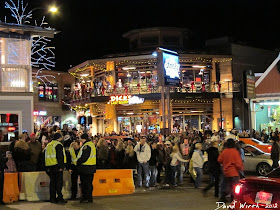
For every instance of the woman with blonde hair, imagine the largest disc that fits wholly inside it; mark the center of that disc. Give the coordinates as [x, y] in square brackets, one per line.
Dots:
[120, 153]
[175, 162]
[130, 160]
[102, 154]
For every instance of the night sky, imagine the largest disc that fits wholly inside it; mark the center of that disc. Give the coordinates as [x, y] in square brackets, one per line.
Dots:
[92, 28]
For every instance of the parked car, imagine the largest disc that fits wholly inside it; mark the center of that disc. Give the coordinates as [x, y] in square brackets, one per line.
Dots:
[262, 192]
[262, 146]
[256, 160]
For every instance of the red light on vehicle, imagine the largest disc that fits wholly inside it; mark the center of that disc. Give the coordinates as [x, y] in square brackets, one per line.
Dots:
[237, 189]
[269, 148]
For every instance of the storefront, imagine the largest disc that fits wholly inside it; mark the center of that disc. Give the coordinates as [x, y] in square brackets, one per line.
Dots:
[266, 106]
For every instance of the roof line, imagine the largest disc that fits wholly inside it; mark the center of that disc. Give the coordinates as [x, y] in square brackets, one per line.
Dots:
[267, 71]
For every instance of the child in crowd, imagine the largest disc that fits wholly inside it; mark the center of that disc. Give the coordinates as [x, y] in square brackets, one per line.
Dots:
[11, 165]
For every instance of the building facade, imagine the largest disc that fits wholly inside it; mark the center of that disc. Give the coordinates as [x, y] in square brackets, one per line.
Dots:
[16, 90]
[208, 96]
[52, 94]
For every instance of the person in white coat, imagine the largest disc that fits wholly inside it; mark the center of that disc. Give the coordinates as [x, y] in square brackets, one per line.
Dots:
[143, 153]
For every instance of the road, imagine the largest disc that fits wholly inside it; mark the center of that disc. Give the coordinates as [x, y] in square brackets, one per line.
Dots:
[183, 197]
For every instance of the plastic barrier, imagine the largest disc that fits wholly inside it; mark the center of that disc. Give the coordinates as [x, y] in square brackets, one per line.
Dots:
[34, 186]
[113, 182]
[11, 190]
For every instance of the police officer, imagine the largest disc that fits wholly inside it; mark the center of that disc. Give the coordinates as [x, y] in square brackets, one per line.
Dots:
[55, 160]
[74, 151]
[86, 165]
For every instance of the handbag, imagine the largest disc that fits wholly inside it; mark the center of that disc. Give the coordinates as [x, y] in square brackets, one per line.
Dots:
[192, 171]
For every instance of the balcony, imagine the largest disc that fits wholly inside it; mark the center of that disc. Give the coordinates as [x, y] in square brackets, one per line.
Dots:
[84, 96]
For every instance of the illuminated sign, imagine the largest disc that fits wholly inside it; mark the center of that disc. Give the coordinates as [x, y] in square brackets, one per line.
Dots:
[136, 100]
[168, 67]
[120, 99]
[39, 113]
[171, 65]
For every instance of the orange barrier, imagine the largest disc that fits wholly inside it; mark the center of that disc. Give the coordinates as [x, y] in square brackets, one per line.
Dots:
[11, 189]
[113, 182]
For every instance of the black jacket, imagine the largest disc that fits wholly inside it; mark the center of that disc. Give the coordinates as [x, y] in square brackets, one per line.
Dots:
[3, 161]
[154, 157]
[213, 165]
[85, 169]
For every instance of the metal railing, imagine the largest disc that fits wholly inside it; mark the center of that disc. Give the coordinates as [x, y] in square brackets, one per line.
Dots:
[224, 87]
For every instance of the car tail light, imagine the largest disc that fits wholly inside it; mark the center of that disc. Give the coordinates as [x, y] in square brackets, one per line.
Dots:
[237, 189]
[269, 148]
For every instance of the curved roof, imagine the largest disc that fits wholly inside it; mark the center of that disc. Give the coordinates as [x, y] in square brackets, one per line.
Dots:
[135, 31]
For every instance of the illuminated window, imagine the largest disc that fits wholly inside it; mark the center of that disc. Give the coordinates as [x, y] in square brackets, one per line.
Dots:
[48, 92]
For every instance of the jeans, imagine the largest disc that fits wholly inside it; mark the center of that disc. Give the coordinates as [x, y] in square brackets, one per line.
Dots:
[197, 181]
[168, 176]
[159, 169]
[179, 173]
[153, 173]
[214, 181]
[143, 167]
[229, 189]
[173, 175]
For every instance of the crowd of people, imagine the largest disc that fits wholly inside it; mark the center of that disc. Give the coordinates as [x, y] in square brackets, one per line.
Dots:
[158, 159]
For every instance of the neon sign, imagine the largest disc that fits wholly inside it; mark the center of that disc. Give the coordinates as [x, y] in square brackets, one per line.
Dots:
[39, 113]
[120, 99]
[136, 100]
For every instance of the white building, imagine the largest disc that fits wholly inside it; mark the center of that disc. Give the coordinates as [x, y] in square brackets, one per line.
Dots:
[16, 89]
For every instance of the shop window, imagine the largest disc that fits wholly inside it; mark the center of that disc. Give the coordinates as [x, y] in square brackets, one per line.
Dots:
[8, 126]
[67, 91]
[48, 92]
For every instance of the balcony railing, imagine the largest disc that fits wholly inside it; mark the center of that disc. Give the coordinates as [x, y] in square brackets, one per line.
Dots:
[224, 87]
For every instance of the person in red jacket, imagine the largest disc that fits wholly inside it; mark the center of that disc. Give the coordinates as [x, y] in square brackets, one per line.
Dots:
[232, 163]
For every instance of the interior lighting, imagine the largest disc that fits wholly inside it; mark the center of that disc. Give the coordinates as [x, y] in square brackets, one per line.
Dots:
[197, 66]
[194, 111]
[84, 75]
[270, 103]
[129, 68]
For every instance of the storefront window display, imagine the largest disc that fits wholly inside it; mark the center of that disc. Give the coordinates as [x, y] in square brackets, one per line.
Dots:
[267, 116]
[8, 126]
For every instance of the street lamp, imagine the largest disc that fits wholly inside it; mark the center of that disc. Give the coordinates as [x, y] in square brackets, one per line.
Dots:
[53, 9]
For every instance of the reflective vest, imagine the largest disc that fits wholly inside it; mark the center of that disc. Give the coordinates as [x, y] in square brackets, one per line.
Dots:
[50, 153]
[92, 158]
[73, 156]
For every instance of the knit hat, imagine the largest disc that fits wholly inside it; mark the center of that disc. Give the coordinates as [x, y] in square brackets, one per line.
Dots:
[57, 136]
[84, 136]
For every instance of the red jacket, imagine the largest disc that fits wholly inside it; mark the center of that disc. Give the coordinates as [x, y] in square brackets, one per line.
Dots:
[231, 161]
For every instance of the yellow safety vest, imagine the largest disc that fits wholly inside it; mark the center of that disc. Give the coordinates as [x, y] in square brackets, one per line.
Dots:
[50, 153]
[73, 156]
[92, 158]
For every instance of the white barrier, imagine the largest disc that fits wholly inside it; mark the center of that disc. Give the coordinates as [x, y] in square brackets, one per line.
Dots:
[34, 186]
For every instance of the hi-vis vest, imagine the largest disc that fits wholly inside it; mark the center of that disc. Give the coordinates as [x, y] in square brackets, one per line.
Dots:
[73, 156]
[50, 154]
[92, 158]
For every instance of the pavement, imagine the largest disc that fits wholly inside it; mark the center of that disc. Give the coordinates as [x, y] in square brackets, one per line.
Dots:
[182, 197]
